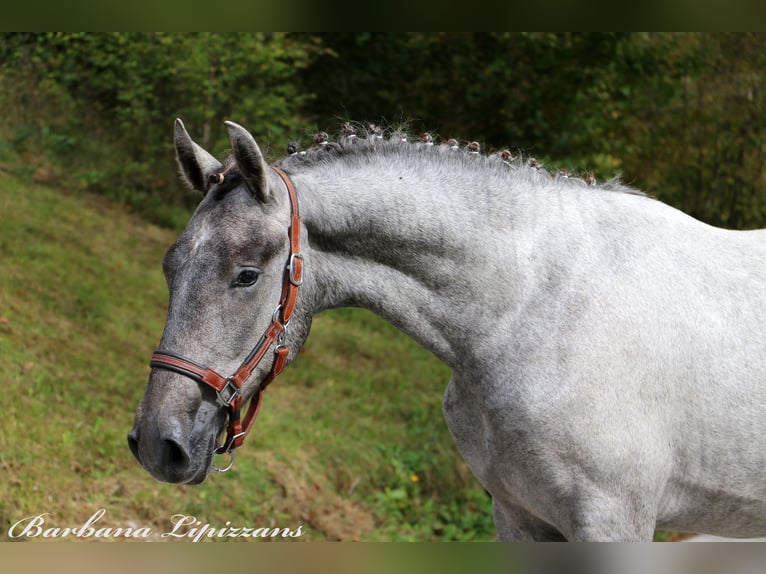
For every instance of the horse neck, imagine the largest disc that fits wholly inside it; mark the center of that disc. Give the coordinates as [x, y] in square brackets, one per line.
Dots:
[415, 246]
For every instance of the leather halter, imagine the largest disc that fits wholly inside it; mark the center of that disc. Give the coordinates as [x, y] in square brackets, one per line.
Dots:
[228, 389]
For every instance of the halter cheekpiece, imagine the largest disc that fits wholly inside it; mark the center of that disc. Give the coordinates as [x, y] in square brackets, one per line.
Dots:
[229, 389]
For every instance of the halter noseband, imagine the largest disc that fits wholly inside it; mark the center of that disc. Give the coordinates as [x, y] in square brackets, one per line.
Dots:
[228, 389]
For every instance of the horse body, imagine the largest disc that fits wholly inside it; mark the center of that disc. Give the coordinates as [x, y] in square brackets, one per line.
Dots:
[607, 350]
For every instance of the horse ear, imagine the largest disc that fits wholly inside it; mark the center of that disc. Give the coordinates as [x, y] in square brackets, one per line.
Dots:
[197, 165]
[249, 160]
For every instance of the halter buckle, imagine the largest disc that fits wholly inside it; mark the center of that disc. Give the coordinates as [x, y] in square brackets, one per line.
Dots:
[227, 394]
[295, 276]
[228, 446]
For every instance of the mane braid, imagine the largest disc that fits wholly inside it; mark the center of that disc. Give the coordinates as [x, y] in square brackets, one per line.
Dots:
[231, 178]
[369, 141]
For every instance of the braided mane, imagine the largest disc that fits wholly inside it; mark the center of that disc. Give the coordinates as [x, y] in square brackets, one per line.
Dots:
[358, 142]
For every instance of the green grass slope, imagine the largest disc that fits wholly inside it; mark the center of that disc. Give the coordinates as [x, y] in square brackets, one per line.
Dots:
[350, 444]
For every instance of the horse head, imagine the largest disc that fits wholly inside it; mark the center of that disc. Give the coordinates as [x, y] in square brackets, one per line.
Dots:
[232, 276]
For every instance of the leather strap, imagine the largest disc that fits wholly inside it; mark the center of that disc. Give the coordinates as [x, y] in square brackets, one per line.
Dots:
[228, 389]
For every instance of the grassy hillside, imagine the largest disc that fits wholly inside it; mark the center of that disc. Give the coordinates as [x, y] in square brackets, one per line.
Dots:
[351, 442]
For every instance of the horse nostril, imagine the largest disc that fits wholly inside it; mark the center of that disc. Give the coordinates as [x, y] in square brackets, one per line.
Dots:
[175, 454]
[133, 443]
[166, 459]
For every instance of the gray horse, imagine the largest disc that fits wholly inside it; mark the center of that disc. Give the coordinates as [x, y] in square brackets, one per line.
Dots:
[608, 351]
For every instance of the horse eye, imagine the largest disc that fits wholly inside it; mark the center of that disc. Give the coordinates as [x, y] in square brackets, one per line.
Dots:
[246, 278]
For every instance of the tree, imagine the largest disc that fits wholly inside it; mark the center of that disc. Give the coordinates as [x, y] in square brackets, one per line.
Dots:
[123, 90]
[679, 115]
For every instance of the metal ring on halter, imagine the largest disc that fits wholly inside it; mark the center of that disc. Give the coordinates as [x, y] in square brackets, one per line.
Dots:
[275, 314]
[228, 467]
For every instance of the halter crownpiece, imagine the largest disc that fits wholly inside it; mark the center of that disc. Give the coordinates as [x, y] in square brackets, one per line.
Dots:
[229, 389]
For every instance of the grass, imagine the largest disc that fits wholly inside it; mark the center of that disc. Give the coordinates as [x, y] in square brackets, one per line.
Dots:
[351, 442]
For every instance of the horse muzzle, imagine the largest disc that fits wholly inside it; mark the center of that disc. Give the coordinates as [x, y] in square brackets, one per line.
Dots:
[169, 458]
[176, 447]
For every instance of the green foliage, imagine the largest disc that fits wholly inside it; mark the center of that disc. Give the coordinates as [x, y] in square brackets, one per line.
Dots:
[697, 127]
[679, 115]
[415, 513]
[102, 104]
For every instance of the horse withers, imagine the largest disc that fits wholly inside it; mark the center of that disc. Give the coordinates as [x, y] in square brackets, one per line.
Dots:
[608, 351]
